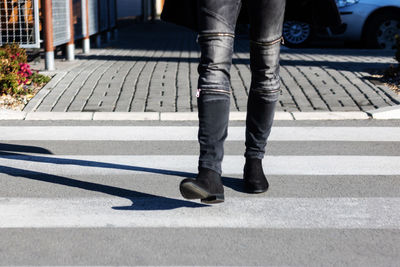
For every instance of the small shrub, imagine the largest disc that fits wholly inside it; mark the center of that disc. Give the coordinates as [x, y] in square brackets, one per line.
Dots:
[39, 79]
[15, 72]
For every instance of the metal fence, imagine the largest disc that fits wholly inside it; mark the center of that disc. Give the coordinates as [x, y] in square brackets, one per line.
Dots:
[93, 12]
[113, 12]
[101, 15]
[73, 20]
[61, 22]
[104, 14]
[19, 22]
[78, 16]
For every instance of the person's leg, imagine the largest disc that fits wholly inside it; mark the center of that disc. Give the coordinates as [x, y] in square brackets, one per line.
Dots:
[217, 20]
[266, 19]
[216, 37]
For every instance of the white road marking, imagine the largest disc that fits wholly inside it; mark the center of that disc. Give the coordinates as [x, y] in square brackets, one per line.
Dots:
[125, 165]
[280, 213]
[188, 133]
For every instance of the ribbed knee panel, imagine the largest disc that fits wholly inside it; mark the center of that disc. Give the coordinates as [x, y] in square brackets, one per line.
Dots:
[264, 63]
[215, 61]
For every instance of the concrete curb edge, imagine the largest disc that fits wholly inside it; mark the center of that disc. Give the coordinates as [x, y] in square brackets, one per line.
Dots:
[182, 116]
[386, 113]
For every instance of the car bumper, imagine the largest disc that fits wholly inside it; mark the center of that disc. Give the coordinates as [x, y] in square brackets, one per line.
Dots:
[355, 17]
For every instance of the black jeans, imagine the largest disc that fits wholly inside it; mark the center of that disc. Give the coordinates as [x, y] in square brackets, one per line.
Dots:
[216, 38]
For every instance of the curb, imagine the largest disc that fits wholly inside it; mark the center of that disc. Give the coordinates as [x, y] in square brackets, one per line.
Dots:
[188, 116]
[330, 115]
[387, 113]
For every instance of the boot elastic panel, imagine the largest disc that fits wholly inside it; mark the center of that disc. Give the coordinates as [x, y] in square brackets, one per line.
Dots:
[254, 178]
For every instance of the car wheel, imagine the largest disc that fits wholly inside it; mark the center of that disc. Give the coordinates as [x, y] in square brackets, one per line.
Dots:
[381, 30]
[296, 33]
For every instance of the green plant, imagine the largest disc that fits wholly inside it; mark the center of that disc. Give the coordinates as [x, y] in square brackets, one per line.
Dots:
[13, 52]
[39, 79]
[9, 83]
[15, 72]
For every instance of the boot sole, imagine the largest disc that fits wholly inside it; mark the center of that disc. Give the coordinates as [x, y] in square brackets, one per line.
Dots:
[192, 191]
[259, 191]
[251, 190]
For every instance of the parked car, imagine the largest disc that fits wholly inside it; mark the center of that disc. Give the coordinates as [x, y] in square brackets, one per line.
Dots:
[374, 22]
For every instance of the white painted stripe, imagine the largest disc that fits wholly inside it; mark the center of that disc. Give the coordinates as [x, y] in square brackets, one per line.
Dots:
[189, 133]
[125, 165]
[278, 213]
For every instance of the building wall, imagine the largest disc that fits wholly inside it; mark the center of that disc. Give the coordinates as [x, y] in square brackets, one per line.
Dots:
[128, 8]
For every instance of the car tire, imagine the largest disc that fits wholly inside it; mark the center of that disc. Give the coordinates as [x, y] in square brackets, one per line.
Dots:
[381, 29]
[297, 33]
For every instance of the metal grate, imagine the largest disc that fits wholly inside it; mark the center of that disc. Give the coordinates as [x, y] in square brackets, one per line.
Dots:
[112, 12]
[19, 22]
[93, 17]
[61, 31]
[78, 18]
[104, 15]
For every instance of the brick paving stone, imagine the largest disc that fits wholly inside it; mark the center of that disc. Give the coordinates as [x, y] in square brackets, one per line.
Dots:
[51, 99]
[153, 67]
[61, 89]
[96, 100]
[82, 96]
[183, 97]
[130, 86]
[68, 95]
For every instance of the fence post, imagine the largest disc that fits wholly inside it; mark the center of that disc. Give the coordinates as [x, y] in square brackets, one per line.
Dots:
[71, 43]
[145, 10]
[153, 10]
[98, 35]
[108, 33]
[86, 39]
[115, 33]
[48, 35]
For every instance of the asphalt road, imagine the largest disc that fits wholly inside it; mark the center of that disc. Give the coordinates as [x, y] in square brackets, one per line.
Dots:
[106, 194]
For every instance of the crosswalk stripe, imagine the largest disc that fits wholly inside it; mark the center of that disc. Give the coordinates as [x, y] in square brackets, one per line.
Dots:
[275, 165]
[281, 213]
[188, 133]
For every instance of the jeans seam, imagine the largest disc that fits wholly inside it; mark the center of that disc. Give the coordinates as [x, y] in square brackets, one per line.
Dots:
[217, 16]
[279, 40]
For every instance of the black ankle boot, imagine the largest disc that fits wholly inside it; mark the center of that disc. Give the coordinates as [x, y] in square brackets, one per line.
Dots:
[207, 187]
[254, 177]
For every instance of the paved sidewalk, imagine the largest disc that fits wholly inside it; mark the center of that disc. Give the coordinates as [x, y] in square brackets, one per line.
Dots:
[153, 68]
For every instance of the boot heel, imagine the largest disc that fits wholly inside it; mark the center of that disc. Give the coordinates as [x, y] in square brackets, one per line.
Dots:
[213, 199]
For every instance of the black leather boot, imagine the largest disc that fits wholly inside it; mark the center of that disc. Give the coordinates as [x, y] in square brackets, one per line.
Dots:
[207, 187]
[254, 178]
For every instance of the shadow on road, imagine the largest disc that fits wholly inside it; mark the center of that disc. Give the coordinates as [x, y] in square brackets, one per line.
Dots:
[349, 65]
[140, 200]
[7, 148]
